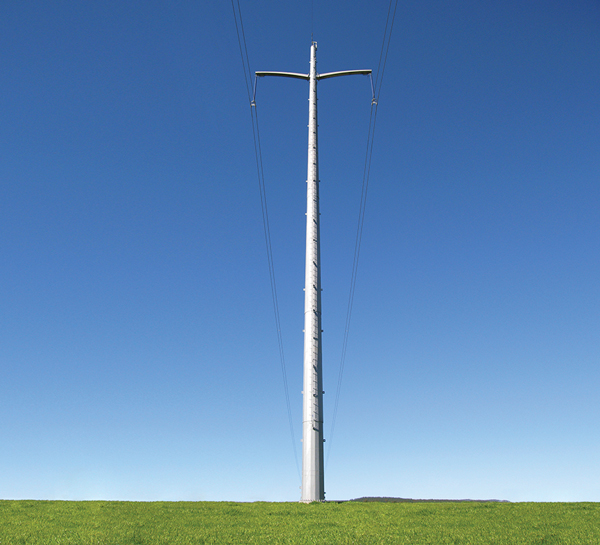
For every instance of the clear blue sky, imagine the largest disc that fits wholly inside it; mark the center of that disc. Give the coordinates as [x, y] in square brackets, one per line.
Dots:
[138, 352]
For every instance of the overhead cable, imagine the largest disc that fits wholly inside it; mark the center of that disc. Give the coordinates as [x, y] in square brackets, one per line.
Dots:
[376, 89]
[263, 203]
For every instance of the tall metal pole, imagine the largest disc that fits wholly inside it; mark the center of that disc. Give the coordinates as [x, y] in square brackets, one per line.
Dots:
[313, 482]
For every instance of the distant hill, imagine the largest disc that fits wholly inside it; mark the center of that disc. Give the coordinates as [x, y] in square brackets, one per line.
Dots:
[410, 500]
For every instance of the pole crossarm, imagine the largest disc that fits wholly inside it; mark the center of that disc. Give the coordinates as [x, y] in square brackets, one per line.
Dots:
[344, 73]
[319, 76]
[283, 75]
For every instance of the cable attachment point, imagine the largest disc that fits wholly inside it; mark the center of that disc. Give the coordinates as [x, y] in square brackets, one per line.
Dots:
[373, 100]
[253, 101]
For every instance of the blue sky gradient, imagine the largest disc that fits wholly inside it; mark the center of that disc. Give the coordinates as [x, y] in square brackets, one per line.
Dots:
[138, 352]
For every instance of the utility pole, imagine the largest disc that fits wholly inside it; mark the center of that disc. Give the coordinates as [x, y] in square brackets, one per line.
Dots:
[313, 483]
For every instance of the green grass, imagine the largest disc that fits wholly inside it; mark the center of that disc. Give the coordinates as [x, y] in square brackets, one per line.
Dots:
[124, 523]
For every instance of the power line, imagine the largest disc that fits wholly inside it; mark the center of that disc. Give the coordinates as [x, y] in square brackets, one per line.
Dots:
[265, 215]
[387, 35]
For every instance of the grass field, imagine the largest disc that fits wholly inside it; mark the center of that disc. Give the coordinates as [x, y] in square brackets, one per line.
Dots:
[124, 523]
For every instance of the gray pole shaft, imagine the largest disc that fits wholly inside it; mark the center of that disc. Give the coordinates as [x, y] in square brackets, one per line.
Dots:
[313, 484]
